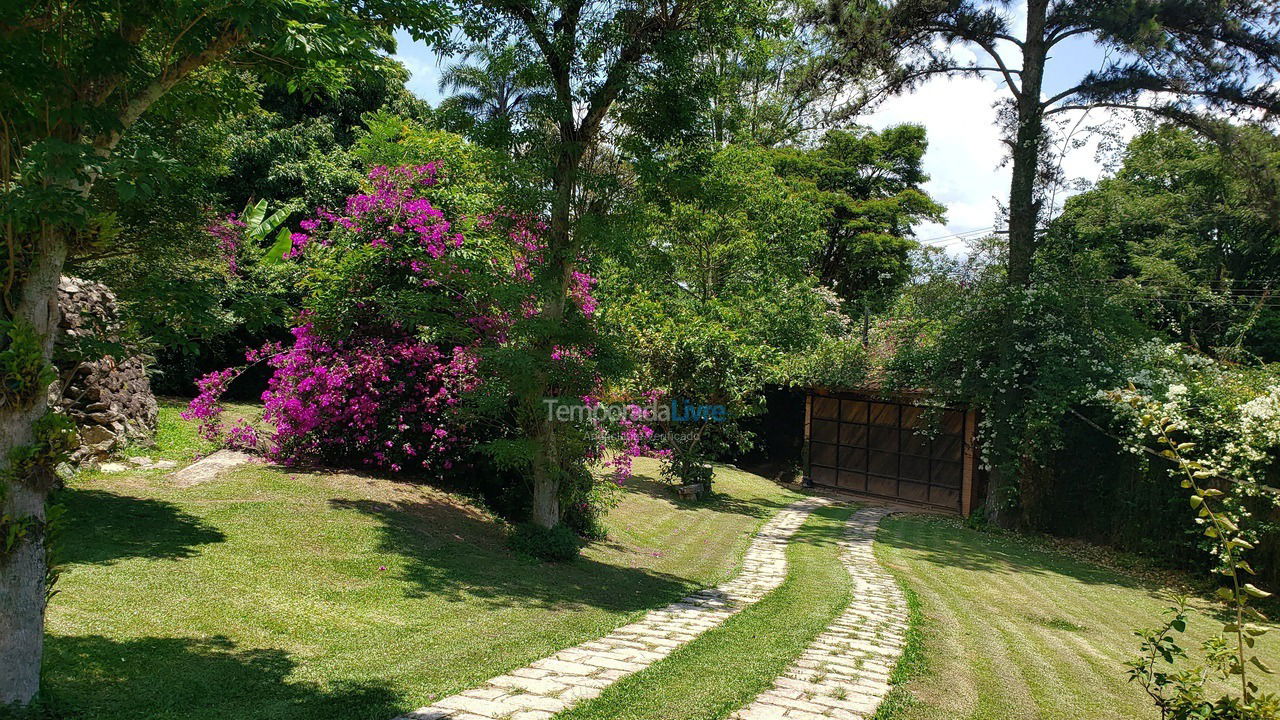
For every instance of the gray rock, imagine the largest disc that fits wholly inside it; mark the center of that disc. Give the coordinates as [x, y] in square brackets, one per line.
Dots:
[95, 434]
[208, 468]
[109, 399]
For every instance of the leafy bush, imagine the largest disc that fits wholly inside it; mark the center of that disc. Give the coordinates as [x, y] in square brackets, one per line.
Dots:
[389, 403]
[557, 544]
[367, 391]
[422, 327]
[719, 296]
[1228, 658]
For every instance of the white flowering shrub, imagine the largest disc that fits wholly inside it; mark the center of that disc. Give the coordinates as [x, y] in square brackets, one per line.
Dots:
[1232, 415]
[1214, 474]
[1068, 343]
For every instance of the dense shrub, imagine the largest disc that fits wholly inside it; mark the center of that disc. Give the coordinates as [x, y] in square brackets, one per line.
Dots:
[418, 329]
[364, 389]
[557, 544]
[391, 403]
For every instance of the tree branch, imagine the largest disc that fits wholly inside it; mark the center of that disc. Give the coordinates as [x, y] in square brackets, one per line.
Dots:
[169, 77]
[607, 92]
[555, 62]
[989, 48]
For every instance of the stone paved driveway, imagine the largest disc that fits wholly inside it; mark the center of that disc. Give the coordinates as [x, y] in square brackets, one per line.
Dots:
[844, 673]
[553, 684]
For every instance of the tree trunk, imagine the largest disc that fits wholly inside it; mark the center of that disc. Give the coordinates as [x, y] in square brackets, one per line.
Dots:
[1024, 215]
[546, 478]
[22, 571]
[561, 253]
[1024, 210]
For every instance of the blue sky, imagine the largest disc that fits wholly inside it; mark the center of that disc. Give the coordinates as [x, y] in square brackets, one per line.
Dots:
[423, 67]
[965, 154]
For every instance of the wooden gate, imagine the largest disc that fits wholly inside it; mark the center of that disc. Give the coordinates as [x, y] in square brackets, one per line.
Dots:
[891, 448]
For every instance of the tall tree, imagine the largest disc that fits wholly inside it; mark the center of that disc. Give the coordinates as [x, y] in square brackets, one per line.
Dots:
[869, 184]
[495, 91]
[1192, 61]
[1187, 60]
[593, 52]
[75, 77]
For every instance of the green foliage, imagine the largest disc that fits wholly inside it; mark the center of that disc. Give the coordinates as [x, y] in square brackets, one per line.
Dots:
[950, 333]
[296, 152]
[718, 295]
[723, 225]
[768, 85]
[1180, 222]
[77, 75]
[54, 435]
[1182, 694]
[123, 120]
[1194, 63]
[16, 530]
[556, 544]
[258, 147]
[868, 185]
[1231, 414]
[474, 179]
[24, 370]
[834, 362]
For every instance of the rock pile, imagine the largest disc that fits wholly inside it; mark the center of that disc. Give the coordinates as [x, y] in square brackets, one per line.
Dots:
[110, 400]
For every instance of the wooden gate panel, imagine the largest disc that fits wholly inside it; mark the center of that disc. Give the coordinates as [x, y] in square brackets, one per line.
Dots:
[891, 448]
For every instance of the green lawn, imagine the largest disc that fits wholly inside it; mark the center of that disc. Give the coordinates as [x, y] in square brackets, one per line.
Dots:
[1009, 629]
[264, 595]
[288, 595]
[726, 667]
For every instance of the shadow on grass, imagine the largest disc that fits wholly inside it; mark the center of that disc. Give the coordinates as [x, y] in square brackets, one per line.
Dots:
[759, 507]
[106, 527]
[457, 555]
[818, 535]
[781, 472]
[655, 488]
[97, 678]
[949, 545]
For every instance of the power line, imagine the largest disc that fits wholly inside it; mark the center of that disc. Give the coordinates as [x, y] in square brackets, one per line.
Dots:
[959, 235]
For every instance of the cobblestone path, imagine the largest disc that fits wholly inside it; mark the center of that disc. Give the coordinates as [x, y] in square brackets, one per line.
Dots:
[553, 684]
[844, 673]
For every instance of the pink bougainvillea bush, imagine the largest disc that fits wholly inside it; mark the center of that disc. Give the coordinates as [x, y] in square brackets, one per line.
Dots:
[390, 403]
[416, 333]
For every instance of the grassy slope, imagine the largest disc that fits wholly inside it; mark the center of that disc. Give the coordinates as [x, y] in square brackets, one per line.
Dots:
[261, 595]
[729, 665]
[1015, 631]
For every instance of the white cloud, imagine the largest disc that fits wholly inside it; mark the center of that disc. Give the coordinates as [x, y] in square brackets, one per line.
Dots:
[423, 64]
[965, 152]
[966, 157]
